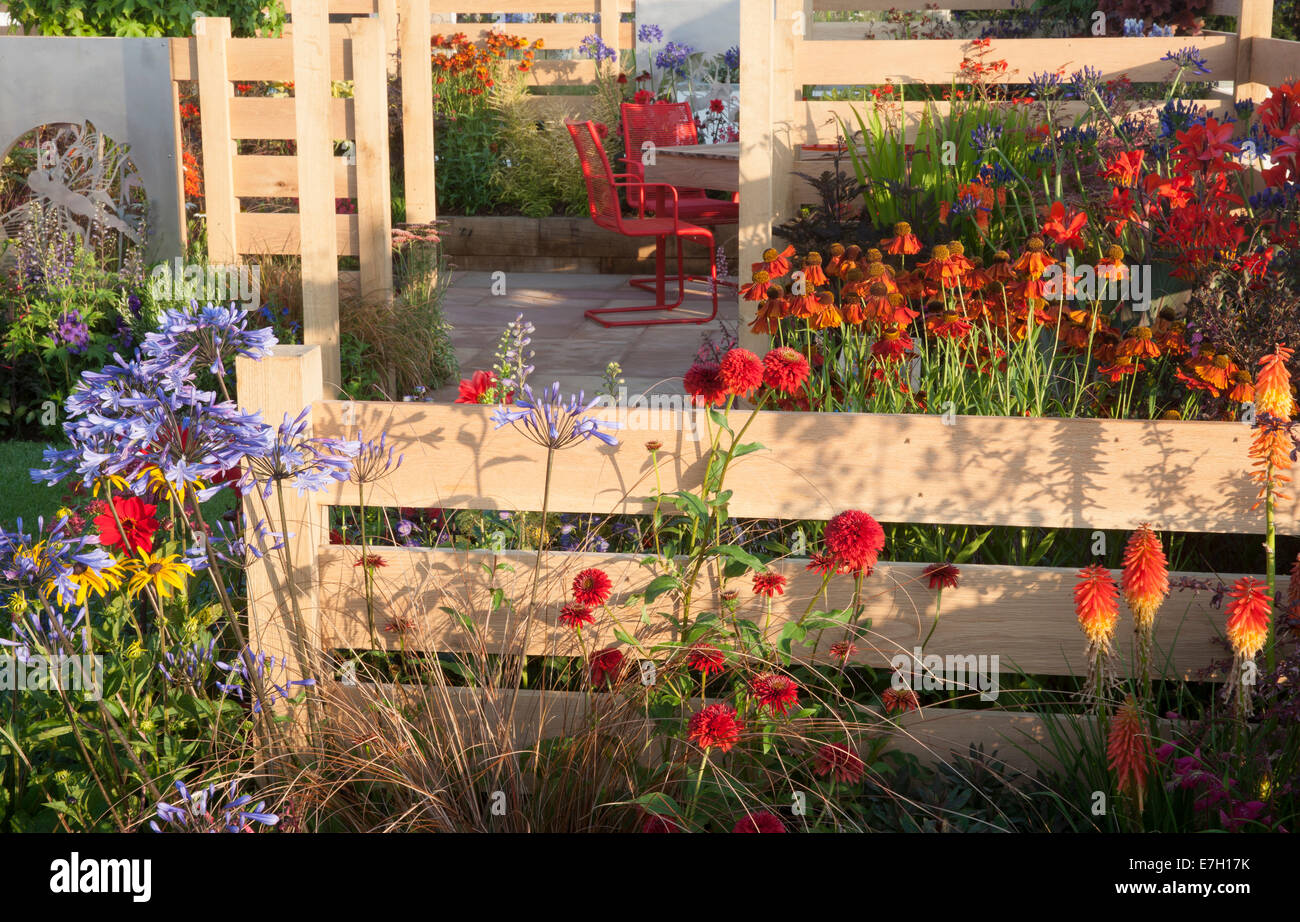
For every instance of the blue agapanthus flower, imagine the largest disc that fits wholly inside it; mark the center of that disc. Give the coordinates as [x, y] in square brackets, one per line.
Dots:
[309, 464]
[250, 670]
[554, 421]
[47, 562]
[198, 811]
[1188, 58]
[731, 57]
[675, 56]
[216, 335]
[48, 632]
[649, 34]
[594, 47]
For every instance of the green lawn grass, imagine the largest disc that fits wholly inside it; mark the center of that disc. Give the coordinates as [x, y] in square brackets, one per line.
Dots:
[19, 497]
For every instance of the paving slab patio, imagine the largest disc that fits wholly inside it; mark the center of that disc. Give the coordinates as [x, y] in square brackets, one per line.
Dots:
[570, 348]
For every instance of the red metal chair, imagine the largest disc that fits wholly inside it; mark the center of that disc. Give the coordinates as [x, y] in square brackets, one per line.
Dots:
[603, 185]
[665, 124]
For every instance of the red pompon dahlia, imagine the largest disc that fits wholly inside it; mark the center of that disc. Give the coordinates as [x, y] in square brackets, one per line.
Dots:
[1146, 577]
[759, 822]
[591, 588]
[715, 727]
[770, 584]
[1249, 612]
[942, 575]
[741, 371]
[840, 762]
[1096, 603]
[703, 382]
[134, 534]
[575, 615]
[1129, 752]
[785, 370]
[606, 666]
[854, 540]
[776, 693]
[705, 658]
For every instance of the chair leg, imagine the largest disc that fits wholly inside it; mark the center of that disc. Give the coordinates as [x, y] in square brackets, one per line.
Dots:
[660, 281]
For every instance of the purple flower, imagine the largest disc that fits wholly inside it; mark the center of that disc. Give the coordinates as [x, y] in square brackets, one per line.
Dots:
[1188, 58]
[308, 464]
[72, 333]
[674, 57]
[252, 669]
[553, 421]
[594, 47]
[213, 333]
[731, 57]
[198, 812]
[47, 564]
[187, 665]
[649, 33]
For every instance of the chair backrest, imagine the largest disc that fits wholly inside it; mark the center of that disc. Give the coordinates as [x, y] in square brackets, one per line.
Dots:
[663, 124]
[602, 194]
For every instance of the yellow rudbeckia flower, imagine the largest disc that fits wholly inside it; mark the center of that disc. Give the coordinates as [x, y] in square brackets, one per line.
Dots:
[161, 571]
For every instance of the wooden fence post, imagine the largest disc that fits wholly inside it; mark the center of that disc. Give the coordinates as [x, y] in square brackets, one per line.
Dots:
[211, 35]
[374, 189]
[609, 23]
[414, 35]
[388, 13]
[316, 211]
[1254, 21]
[756, 139]
[284, 382]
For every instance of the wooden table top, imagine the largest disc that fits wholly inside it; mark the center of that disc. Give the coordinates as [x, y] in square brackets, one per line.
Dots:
[729, 151]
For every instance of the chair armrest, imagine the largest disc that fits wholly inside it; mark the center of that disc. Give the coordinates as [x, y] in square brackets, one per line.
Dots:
[659, 188]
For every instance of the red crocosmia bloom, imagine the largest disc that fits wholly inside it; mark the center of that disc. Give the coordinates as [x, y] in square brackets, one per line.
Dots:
[769, 584]
[785, 370]
[137, 528]
[1065, 227]
[605, 667]
[840, 762]
[592, 587]
[776, 693]
[477, 388]
[703, 382]
[759, 822]
[1129, 751]
[1248, 617]
[1206, 148]
[705, 658]
[942, 575]
[899, 699]
[854, 540]
[715, 727]
[1124, 168]
[575, 615]
[1281, 111]
[741, 371]
[659, 824]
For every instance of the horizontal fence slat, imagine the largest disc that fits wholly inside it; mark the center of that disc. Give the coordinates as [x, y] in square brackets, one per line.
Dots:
[271, 118]
[554, 35]
[1217, 7]
[577, 72]
[258, 59]
[937, 61]
[445, 7]
[259, 175]
[278, 234]
[1023, 615]
[1076, 473]
[1274, 61]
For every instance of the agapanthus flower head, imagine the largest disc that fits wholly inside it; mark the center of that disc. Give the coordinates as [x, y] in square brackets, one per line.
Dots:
[839, 762]
[763, 821]
[1096, 603]
[249, 670]
[942, 575]
[774, 692]
[1249, 612]
[187, 665]
[214, 334]
[648, 33]
[374, 460]
[198, 811]
[554, 421]
[1146, 576]
[307, 463]
[715, 727]
[1129, 751]
[741, 371]
[41, 631]
[594, 47]
[52, 564]
[785, 370]
[854, 540]
[592, 587]
[705, 658]
[770, 584]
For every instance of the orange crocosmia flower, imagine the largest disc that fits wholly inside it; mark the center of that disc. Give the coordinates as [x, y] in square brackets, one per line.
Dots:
[1146, 576]
[1249, 613]
[1273, 385]
[1065, 226]
[1129, 751]
[1124, 168]
[1096, 603]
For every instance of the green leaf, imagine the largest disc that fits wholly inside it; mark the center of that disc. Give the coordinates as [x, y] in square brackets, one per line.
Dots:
[739, 451]
[738, 554]
[658, 803]
[665, 582]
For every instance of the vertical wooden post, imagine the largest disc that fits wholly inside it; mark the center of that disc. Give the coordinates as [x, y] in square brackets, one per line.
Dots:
[757, 29]
[286, 381]
[317, 221]
[609, 24]
[1254, 21]
[178, 126]
[793, 25]
[211, 35]
[374, 190]
[388, 12]
[417, 112]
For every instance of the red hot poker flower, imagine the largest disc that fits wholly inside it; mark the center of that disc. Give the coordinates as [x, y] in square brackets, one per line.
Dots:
[1096, 603]
[1129, 752]
[715, 727]
[591, 588]
[1248, 617]
[1146, 576]
[137, 525]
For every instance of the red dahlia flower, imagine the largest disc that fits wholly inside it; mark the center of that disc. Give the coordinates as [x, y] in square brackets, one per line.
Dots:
[137, 525]
[741, 371]
[605, 666]
[703, 382]
[477, 388]
[896, 699]
[785, 370]
[575, 615]
[854, 540]
[705, 658]
[591, 588]
[759, 822]
[942, 575]
[715, 727]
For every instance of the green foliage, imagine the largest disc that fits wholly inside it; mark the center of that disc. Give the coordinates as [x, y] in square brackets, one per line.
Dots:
[143, 18]
[538, 173]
